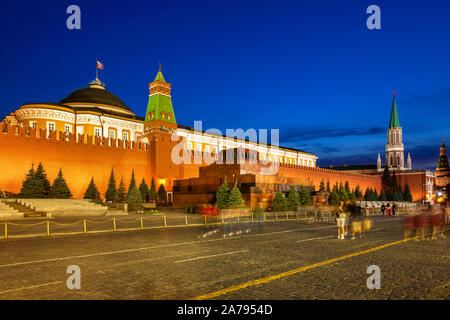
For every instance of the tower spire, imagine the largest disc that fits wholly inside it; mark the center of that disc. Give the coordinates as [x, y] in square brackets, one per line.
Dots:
[394, 123]
[160, 100]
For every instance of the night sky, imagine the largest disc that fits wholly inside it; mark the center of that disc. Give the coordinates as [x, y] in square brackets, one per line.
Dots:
[309, 68]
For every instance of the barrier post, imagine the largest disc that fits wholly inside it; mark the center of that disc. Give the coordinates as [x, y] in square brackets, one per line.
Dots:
[186, 220]
[114, 222]
[6, 230]
[142, 223]
[84, 225]
[296, 215]
[264, 216]
[276, 216]
[205, 219]
[287, 216]
[238, 216]
[165, 221]
[48, 228]
[222, 219]
[252, 216]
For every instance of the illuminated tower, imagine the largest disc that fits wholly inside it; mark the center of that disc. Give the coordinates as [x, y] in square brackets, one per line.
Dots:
[394, 148]
[443, 168]
[159, 108]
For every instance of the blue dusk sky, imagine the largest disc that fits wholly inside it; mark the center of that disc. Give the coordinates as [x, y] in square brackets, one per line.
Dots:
[311, 69]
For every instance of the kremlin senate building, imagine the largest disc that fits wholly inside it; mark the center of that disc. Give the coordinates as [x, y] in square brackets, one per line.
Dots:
[92, 131]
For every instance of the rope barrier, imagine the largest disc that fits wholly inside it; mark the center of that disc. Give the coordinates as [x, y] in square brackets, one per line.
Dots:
[98, 222]
[128, 221]
[27, 224]
[66, 224]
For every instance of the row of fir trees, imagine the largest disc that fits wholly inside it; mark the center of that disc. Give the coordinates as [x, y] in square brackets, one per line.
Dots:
[343, 193]
[293, 201]
[37, 185]
[229, 198]
[132, 195]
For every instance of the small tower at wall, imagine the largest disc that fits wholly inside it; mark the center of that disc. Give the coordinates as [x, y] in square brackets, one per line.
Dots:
[395, 159]
[159, 108]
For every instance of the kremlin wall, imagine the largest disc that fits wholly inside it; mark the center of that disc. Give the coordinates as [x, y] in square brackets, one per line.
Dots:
[92, 131]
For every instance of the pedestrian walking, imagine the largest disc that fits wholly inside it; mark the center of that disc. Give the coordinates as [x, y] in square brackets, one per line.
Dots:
[259, 215]
[340, 221]
[383, 209]
[388, 210]
[393, 209]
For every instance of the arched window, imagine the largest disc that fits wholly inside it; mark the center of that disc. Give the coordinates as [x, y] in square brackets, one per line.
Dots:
[163, 114]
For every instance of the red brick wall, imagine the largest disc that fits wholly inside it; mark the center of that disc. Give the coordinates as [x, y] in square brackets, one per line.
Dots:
[79, 161]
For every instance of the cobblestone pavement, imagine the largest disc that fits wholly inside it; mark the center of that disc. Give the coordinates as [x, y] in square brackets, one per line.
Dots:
[180, 263]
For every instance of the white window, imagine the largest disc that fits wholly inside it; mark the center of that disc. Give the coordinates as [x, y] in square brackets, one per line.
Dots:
[199, 147]
[215, 150]
[290, 161]
[33, 124]
[207, 150]
[279, 159]
[67, 128]
[112, 134]
[189, 145]
[80, 129]
[285, 160]
[97, 132]
[51, 126]
[125, 136]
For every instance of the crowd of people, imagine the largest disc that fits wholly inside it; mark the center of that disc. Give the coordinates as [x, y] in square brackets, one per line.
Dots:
[426, 223]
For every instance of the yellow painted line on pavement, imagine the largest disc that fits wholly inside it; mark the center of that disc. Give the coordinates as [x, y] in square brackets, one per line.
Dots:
[31, 287]
[210, 256]
[294, 271]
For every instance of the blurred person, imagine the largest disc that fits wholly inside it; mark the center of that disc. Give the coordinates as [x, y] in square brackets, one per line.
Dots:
[383, 209]
[340, 221]
[388, 209]
[259, 215]
[356, 227]
[393, 209]
[409, 225]
[422, 224]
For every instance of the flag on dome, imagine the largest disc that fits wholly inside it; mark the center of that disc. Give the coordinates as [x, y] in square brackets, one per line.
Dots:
[99, 65]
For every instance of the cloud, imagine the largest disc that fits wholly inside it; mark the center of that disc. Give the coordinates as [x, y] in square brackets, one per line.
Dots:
[436, 98]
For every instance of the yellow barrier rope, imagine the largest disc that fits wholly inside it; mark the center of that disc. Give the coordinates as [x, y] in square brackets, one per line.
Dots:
[67, 224]
[128, 221]
[97, 222]
[26, 225]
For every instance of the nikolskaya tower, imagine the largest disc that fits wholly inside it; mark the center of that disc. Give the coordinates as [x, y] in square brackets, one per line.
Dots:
[395, 149]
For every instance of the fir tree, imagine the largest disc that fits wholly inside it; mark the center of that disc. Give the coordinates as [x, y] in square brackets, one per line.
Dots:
[382, 196]
[304, 196]
[347, 188]
[143, 188]
[407, 194]
[42, 175]
[334, 199]
[279, 202]
[322, 186]
[342, 193]
[32, 187]
[367, 194]
[59, 189]
[121, 192]
[111, 192]
[162, 196]
[152, 192]
[222, 195]
[132, 182]
[235, 197]
[375, 195]
[386, 180]
[328, 186]
[134, 199]
[293, 200]
[91, 191]
[358, 194]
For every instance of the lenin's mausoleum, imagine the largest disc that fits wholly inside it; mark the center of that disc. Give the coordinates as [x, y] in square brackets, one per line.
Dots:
[93, 131]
